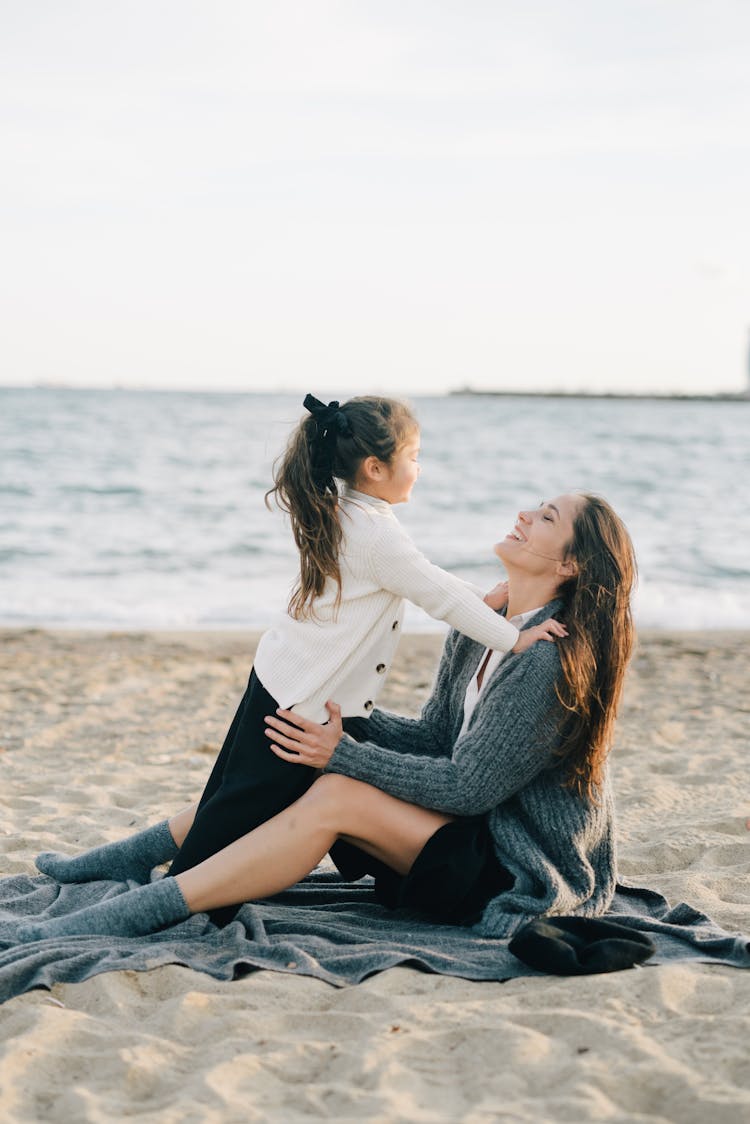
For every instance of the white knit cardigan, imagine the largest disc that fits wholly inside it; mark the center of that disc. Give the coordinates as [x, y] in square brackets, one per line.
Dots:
[344, 654]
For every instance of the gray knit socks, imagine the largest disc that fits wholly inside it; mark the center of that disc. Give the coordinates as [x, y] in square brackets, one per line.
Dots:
[133, 913]
[132, 858]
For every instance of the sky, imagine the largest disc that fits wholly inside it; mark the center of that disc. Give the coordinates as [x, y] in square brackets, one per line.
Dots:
[382, 196]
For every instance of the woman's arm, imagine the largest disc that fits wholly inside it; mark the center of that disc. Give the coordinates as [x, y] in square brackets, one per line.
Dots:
[394, 731]
[510, 741]
[512, 738]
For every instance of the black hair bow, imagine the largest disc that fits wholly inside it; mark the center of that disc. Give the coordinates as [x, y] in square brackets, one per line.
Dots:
[331, 419]
[330, 422]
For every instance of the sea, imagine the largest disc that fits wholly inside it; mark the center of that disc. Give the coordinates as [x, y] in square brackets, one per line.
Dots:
[125, 509]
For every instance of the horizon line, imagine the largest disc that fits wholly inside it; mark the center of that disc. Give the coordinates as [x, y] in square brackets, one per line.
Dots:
[455, 392]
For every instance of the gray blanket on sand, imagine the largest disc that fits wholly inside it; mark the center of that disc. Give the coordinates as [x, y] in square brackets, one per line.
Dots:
[324, 927]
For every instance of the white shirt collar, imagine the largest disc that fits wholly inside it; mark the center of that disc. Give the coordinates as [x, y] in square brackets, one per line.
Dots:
[520, 619]
[363, 497]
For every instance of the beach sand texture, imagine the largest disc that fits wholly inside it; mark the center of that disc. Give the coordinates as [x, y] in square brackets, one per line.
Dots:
[102, 733]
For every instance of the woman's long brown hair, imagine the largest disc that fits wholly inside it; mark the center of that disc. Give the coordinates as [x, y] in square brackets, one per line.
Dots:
[374, 427]
[597, 615]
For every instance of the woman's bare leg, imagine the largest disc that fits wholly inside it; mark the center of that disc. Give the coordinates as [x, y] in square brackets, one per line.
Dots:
[264, 862]
[283, 850]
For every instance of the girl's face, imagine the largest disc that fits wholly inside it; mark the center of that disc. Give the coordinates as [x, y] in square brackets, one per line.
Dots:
[393, 481]
[539, 540]
[403, 471]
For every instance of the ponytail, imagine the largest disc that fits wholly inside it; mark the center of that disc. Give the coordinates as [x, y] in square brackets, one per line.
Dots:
[330, 445]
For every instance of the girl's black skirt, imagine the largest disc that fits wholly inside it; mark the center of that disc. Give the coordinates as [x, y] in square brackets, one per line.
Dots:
[452, 879]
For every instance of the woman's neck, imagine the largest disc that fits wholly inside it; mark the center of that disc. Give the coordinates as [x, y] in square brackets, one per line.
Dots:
[527, 592]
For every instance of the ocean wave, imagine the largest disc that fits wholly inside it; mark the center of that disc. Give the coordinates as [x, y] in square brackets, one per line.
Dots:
[100, 490]
[15, 490]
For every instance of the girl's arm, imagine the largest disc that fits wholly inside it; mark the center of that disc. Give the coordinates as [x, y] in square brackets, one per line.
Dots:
[398, 566]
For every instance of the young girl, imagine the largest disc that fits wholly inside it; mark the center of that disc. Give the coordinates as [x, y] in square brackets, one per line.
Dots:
[338, 637]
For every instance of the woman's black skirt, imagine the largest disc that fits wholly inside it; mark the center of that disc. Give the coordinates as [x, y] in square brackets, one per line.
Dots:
[452, 879]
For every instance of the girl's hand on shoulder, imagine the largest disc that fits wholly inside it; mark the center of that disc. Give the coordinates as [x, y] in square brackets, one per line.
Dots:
[497, 598]
[547, 630]
[301, 741]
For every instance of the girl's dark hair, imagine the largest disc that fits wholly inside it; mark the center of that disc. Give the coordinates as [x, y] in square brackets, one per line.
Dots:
[319, 453]
[600, 639]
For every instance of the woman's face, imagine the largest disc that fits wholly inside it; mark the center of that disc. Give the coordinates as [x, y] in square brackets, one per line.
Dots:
[538, 542]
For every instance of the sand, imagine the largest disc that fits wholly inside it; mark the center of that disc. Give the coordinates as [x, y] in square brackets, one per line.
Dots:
[102, 733]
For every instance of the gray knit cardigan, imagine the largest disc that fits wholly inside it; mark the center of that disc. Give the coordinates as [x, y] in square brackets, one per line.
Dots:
[560, 846]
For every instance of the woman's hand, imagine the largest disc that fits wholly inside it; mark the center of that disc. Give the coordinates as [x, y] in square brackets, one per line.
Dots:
[301, 741]
[497, 598]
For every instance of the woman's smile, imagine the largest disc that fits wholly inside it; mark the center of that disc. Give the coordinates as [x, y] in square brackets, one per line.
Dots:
[542, 533]
[517, 535]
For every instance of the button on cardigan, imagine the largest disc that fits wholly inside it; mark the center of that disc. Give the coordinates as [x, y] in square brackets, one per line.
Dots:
[560, 846]
[343, 654]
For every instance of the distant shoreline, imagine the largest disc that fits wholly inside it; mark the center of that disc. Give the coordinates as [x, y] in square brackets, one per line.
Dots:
[468, 392]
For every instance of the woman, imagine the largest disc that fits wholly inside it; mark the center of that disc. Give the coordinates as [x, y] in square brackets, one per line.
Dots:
[505, 770]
